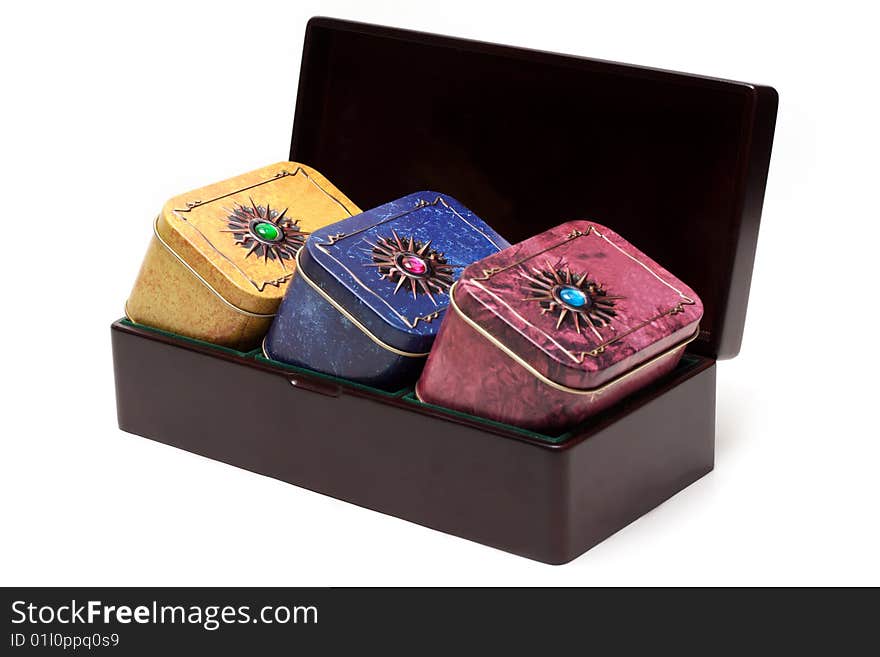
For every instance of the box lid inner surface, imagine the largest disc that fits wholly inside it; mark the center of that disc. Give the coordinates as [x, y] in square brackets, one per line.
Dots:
[675, 163]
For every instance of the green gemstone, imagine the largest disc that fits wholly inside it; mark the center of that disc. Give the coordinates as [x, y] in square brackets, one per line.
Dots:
[267, 231]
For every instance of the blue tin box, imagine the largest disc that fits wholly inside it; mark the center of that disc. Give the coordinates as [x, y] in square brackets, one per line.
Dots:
[370, 291]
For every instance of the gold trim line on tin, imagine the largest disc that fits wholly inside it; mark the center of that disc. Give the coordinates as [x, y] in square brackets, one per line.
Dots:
[550, 382]
[342, 311]
[419, 205]
[202, 279]
[280, 175]
[598, 349]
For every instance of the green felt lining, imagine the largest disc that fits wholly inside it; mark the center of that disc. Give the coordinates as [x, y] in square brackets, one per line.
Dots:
[406, 394]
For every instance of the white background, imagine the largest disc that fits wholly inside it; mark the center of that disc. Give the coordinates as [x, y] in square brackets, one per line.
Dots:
[108, 110]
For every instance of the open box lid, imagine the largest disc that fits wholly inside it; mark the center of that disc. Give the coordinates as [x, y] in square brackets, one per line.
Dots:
[675, 163]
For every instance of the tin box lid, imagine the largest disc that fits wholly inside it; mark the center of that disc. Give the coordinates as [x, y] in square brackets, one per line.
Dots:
[240, 235]
[528, 140]
[391, 267]
[578, 305]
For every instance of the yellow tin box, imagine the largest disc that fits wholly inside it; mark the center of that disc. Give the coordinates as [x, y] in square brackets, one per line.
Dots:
[221, 256]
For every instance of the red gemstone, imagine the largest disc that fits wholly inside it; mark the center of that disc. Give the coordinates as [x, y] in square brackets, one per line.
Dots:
[414, 265]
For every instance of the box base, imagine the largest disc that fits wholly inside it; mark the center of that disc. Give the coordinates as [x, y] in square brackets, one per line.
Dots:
[548, 498]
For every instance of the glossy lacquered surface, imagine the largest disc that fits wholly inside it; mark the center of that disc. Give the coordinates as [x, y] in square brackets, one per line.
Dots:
[545, 501]
[677, 163]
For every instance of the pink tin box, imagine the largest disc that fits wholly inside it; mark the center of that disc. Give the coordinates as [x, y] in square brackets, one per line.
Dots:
[558, 327]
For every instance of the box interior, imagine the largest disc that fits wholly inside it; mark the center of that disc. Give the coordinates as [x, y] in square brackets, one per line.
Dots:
[674, 162]
[689, 363]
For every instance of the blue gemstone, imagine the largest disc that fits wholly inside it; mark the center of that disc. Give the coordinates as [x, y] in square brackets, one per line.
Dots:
[573, 297]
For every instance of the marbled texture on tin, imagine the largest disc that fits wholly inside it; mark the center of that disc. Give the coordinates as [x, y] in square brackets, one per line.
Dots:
[310, 333]
[465, 372]
[579, 305]
[343, 252]
[390, 268]
[221, 256]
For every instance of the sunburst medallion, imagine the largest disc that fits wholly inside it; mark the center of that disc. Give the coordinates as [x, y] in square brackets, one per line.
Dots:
[572, 296]
[265, 233]
[409, 261]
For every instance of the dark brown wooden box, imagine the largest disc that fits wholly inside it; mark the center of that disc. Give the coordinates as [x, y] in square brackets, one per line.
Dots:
[676, 163]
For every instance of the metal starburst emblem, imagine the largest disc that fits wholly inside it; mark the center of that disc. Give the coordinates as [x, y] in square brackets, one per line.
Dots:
[265, 232]
[573, 296]
[410, 261]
